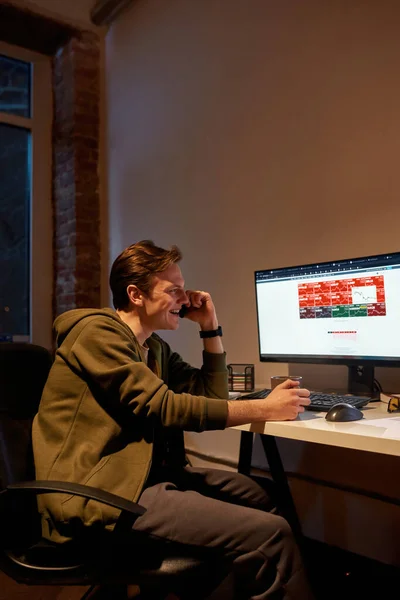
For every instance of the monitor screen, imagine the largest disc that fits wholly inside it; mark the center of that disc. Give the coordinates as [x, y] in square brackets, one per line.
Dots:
[339, 312]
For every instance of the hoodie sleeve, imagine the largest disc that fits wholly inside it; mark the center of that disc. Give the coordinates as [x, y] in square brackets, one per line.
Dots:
[211, 380]
[106, 355]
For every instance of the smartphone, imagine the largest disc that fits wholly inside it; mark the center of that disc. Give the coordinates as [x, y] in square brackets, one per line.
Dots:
[183, 311]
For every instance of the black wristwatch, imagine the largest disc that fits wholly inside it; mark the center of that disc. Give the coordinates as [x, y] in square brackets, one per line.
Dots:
[211, 333]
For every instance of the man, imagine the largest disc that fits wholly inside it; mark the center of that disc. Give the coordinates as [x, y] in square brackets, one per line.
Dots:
[112, 414]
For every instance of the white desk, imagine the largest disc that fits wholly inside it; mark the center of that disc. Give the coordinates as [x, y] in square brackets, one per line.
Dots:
[378, 431]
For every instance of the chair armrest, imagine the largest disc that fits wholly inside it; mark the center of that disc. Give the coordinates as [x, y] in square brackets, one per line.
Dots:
[77, 489]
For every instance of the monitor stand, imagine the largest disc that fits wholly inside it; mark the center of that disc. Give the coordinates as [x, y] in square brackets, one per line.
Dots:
[361, 381]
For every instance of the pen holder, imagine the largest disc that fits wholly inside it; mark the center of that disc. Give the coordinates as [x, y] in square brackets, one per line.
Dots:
[240, 378]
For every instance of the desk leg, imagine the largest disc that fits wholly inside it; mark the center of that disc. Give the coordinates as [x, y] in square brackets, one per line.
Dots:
[279, 476]
[245, 452]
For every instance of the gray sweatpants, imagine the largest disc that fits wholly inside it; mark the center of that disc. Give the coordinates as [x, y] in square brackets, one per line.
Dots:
[229, 514]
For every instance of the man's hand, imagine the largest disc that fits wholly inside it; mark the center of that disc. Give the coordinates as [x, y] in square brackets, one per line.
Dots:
[284, 403]
[201, 310]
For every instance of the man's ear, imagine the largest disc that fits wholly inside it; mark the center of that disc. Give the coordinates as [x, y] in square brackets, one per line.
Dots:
[135, 295]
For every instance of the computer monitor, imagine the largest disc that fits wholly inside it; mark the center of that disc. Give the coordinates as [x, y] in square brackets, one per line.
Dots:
[344, 312]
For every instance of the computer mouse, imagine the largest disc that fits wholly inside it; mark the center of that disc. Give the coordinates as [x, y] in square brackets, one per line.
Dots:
[343, 412]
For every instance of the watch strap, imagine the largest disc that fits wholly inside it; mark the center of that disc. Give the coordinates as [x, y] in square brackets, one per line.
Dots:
[211, 333]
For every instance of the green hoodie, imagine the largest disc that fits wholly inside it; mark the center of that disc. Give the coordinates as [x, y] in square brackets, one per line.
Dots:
[100, 408]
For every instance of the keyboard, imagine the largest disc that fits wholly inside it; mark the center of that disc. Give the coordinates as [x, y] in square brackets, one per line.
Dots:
[319, 401]
[257, 395]
[326, 401]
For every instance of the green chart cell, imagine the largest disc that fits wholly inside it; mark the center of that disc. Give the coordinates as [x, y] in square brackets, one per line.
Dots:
[358, 310]
[340, 311]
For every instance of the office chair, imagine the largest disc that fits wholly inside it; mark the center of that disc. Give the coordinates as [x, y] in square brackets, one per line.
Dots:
[111, 560]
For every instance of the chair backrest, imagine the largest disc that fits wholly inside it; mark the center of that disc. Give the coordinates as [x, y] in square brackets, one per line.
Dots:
[23, 372]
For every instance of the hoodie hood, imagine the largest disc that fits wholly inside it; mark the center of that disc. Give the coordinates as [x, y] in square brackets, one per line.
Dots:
[68, 320]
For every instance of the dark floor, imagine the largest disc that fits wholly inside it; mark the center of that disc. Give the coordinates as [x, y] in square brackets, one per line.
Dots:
[9, 590]
[335, 575]
[339, 575]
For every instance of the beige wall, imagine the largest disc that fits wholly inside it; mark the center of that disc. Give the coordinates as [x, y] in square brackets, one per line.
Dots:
[259, 134]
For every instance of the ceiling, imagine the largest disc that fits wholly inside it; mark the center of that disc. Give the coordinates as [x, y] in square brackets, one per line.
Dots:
[75, 12]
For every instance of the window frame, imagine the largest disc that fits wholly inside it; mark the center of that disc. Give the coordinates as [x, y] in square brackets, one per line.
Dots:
[41, 222]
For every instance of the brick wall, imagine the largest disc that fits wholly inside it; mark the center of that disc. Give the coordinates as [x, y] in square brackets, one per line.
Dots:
[76, 84]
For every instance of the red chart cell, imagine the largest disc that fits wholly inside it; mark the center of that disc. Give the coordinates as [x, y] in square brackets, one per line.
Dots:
[380, 295]
[325, 287]
[359, 282]
[376, 310]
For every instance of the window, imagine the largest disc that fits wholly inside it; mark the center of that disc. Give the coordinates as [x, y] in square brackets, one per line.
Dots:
[25, 196]
[15, 151]
[15, 86]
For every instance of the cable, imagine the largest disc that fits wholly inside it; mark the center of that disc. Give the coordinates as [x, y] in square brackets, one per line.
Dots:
[377, 386]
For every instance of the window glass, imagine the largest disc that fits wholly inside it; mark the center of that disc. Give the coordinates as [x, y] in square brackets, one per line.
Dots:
[15, 86]
[14, 230]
